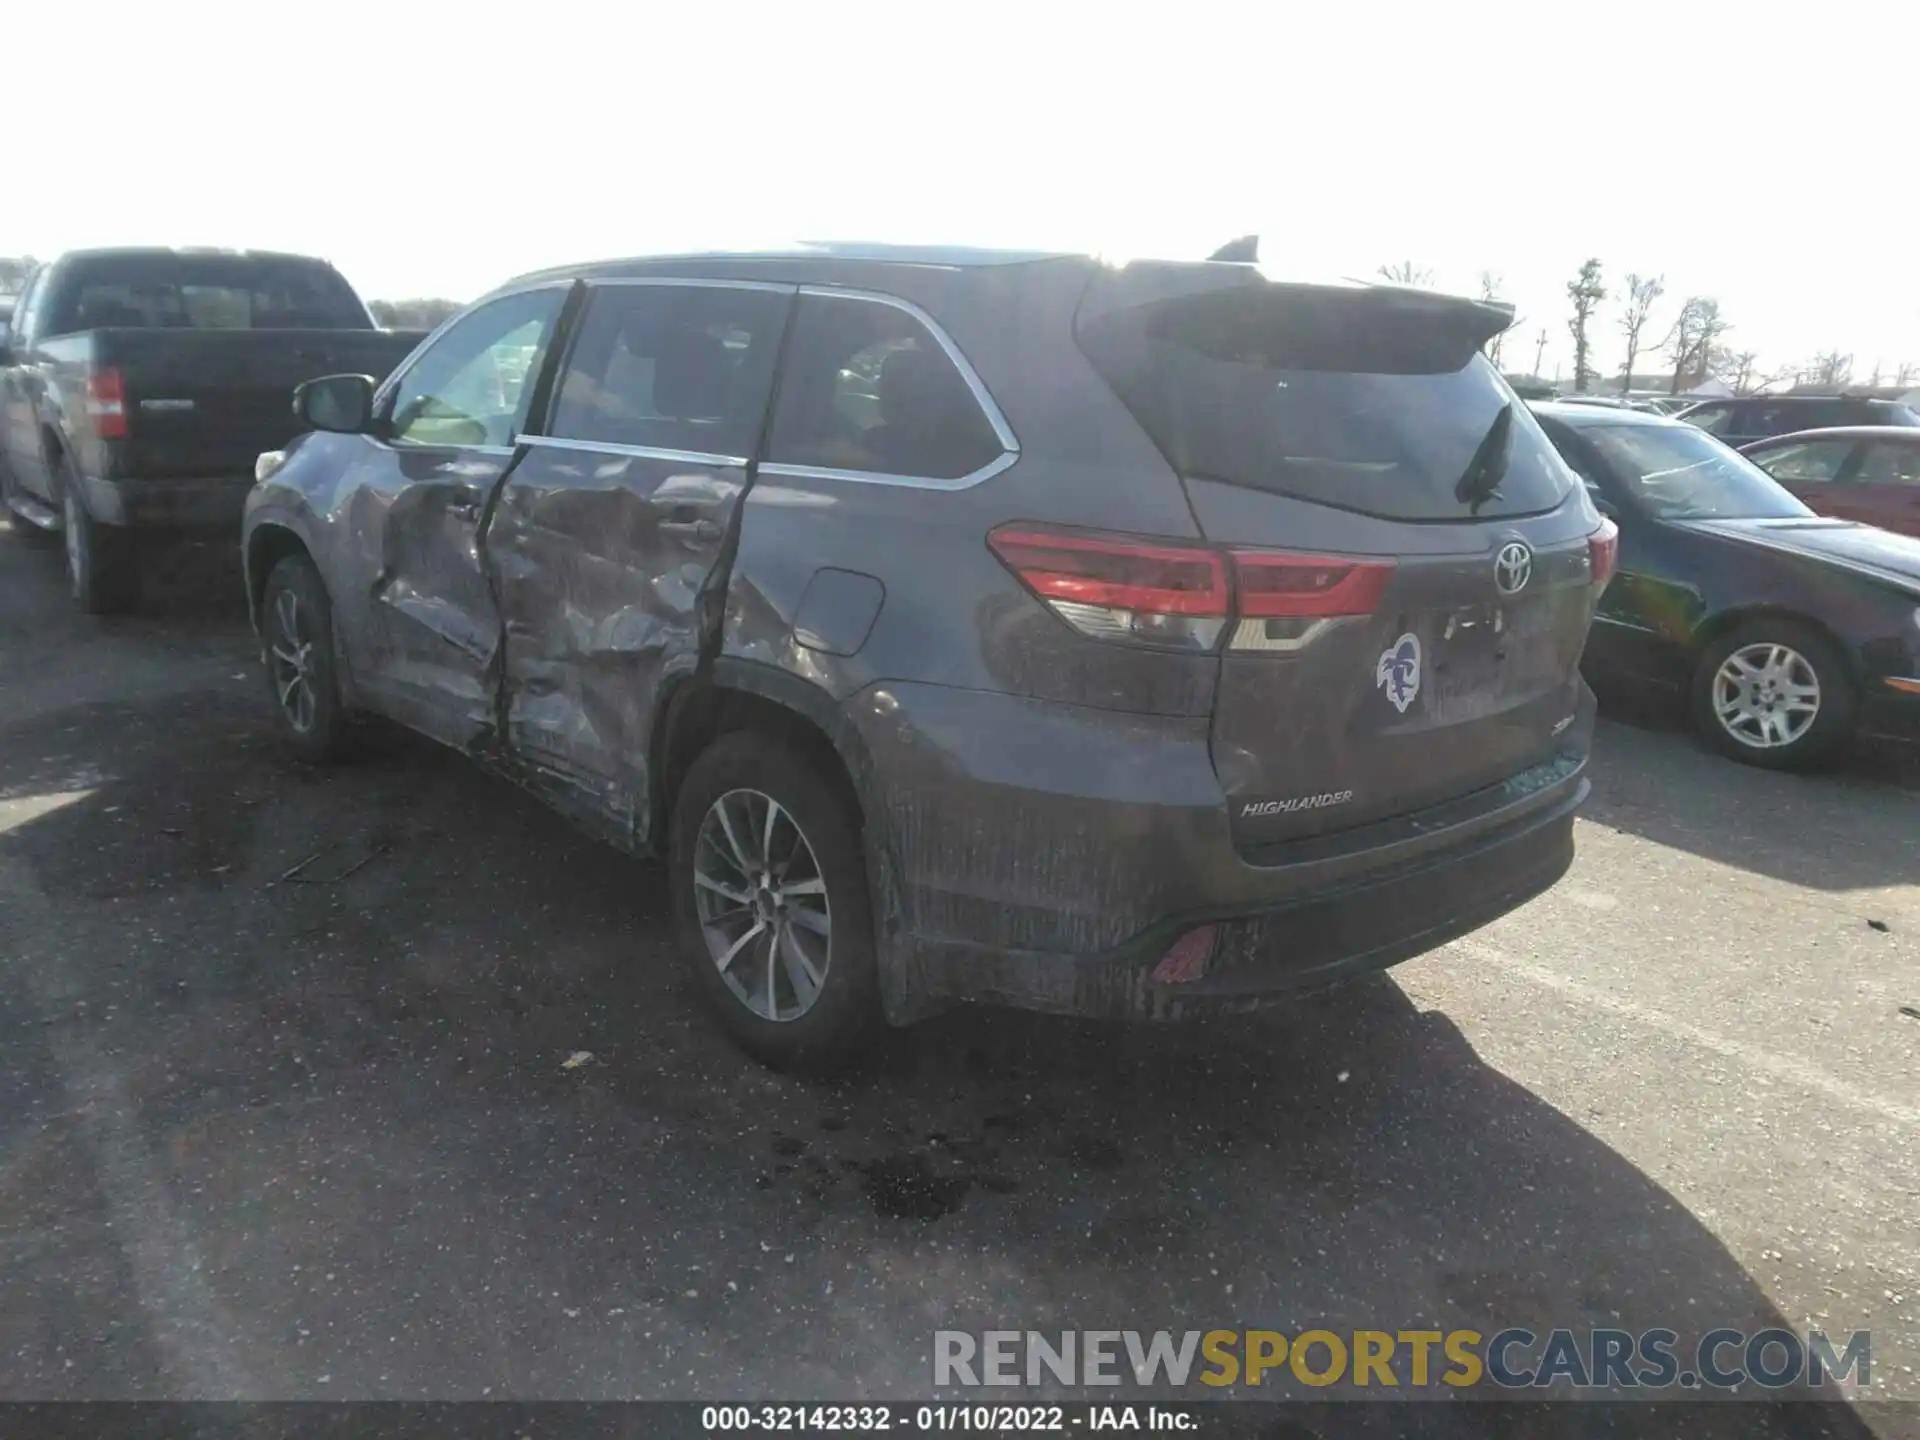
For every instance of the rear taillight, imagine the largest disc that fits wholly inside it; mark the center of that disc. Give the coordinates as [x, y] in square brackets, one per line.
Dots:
[1118, 587]
[1284, 600]
[1112, 587]
[107, 403]
[1603, 551]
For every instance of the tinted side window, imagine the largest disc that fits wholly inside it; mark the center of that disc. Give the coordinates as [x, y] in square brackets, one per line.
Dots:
[867, 387]
[1711, 418]
[472, 386]
[1890, 463]
[1811, 462]
[672, 367]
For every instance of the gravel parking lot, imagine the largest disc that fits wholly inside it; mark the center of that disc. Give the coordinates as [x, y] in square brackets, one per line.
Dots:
[317, 1137]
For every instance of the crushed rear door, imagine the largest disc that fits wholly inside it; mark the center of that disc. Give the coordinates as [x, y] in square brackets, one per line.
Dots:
[1413, 575]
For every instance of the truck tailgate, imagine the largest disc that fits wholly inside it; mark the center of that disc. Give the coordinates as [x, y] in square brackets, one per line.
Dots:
[203, 403]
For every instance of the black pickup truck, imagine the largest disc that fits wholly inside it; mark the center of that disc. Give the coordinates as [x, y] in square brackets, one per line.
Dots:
[138, 387]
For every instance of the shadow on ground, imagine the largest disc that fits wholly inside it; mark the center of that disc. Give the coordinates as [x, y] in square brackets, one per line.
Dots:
[1854, 826]
[413, 1092]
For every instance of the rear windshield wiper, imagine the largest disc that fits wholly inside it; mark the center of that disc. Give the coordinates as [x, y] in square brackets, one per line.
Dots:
[1480, 481]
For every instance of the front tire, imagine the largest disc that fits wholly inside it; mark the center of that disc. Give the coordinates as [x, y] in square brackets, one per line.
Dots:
[296, 647]
[770, 897]
[1774, 693]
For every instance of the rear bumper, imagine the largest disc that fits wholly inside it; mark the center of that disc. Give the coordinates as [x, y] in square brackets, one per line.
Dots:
[1049, 857]
[201, 503]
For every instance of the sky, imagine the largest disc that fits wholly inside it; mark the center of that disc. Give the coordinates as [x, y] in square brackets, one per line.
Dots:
[438, 149]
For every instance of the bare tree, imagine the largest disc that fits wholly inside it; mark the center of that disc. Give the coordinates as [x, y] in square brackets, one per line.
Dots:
[1829, 368]
[1490, 292]
[1907, 374]
[1641, 295]
[1743, 371]
[1405, 272]
[1586, 292]
[1694, 343]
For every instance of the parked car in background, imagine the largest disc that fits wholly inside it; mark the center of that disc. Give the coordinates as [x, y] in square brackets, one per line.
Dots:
[138, 386]
[967, 626]
[1787, 632]
[1671, 404]
[1869, 473]
[1742, 421]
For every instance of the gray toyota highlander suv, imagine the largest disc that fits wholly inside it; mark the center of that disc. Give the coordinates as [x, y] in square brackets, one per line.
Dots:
[1122, 640]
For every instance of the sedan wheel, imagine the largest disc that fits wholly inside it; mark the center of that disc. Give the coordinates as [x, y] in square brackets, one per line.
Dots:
[1766, 696]
[1774, 692]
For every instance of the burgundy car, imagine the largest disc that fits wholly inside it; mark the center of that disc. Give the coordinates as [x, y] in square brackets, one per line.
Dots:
[1869, 473]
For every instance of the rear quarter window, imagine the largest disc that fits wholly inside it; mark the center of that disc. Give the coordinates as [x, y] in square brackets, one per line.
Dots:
[867, 388]
[1320, 398]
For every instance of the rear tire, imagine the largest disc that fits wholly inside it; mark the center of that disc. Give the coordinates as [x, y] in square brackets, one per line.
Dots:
[787, 964]
[1752, 689]
[296, 650]
[100, 571]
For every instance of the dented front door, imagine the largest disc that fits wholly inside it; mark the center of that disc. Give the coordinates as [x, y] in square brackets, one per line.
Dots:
[449, 437]
[615, 524]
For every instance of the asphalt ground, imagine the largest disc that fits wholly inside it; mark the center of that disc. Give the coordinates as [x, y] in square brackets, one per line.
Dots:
[317, 1138]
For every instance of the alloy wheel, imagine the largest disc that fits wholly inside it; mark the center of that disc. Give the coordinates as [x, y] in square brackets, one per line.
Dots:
[761, 901]
[1766, 695]
[292, 660]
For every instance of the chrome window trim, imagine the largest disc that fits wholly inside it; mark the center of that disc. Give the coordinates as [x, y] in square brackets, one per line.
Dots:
[494, 450]
[595, 282]
[982, 396]
[876, 477]
[638, 452]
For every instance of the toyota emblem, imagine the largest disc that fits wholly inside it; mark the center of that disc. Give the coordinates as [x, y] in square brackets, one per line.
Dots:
[1512, 568]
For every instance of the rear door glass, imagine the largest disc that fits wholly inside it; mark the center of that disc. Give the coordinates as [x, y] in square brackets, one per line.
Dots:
[672, 367]
[1326, 397]
[867, 387]
[1810, 462]
[1891, 463]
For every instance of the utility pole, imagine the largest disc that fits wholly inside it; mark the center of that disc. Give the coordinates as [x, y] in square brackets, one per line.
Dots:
[1539, 353]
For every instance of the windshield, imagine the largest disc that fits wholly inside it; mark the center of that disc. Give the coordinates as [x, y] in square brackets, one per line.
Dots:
[1318, 397]
[1682, 473]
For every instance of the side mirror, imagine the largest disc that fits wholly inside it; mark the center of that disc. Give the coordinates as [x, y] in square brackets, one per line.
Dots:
[340, 403]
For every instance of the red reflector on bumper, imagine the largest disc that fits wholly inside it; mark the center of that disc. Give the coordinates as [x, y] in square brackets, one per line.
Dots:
[1187, 960]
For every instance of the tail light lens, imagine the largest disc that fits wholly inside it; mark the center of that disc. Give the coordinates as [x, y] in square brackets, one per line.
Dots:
[1118, 588]
[1177, 596]
[1603, 551]
[107, 403]
[1315, 586]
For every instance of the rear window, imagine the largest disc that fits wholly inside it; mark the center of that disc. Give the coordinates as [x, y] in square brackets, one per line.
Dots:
[205, 292]
[1336, 398]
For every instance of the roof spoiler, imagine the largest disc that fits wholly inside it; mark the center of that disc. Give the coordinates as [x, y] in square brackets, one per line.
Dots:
[1244, 251]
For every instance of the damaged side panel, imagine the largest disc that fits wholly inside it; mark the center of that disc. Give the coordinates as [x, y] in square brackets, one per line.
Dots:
[432, 614]
[599, 558]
